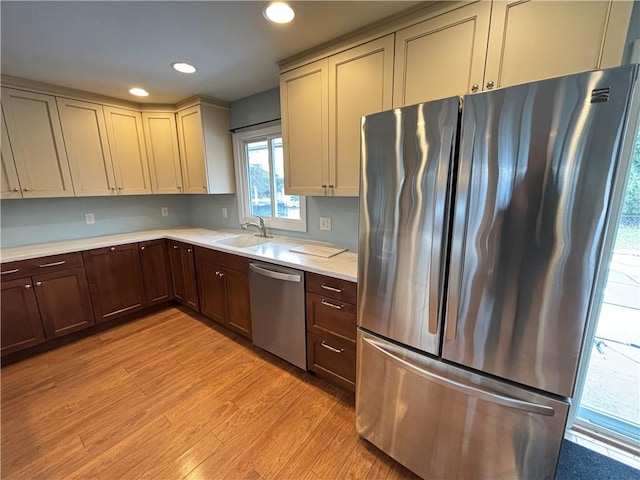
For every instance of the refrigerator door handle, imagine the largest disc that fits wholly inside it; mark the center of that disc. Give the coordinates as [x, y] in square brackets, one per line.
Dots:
[446, 152]
[463, 388]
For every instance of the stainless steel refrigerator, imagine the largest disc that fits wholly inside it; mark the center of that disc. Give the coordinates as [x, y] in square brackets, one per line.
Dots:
[479, 240]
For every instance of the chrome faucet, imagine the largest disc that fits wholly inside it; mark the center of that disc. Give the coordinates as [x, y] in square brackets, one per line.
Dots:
[262, 229]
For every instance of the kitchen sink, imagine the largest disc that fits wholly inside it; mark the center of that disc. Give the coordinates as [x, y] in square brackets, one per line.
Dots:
[243, 242]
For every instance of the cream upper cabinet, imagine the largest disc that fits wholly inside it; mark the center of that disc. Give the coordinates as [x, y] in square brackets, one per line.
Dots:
[85, 136]
[305, 129]
[9, 174]
[128, 151]
[441, 57]
[533, 40]
[205, 149]
[161, 137]
[38, 148]
[360, 83]
[322, 107]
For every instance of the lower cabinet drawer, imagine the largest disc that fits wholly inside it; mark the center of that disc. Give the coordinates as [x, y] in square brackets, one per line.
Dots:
[332, 360]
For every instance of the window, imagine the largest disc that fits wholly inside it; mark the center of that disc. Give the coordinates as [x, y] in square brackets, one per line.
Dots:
[259, 163]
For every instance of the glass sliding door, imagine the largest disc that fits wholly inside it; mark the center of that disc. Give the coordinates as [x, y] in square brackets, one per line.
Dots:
[610, 400]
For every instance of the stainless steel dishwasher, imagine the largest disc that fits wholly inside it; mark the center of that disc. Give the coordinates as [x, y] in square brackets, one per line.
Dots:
[277, 311]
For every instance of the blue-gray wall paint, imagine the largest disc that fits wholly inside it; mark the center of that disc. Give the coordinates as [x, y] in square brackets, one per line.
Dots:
[261, 107]
[206, 212]
[38, 220]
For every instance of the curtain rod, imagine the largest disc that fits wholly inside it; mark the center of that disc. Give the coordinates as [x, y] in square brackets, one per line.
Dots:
[234, 130]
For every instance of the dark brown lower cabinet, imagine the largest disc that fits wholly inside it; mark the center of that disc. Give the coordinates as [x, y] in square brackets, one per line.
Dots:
[183, 274]
[64, 302]
[223, 283]
[331, 329]
[21, 323]
[332, 359]
[115, 281]
[156, 271]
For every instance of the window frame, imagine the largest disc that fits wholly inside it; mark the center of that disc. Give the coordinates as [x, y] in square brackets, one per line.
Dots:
[242, 179]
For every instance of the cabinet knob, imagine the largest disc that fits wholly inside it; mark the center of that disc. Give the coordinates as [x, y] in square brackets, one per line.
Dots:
[16, 189]
[490, 84]
[330, 186]
[475, 87]
[179, 186]
[120, 188]
[142, 248]
[113, 249]
[189, 250]
[38, 284]
[26, 189]
[28, 285]
[175, 246]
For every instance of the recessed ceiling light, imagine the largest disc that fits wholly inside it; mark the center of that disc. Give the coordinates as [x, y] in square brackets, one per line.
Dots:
[138, 92]
[278, 12]
[183, 67]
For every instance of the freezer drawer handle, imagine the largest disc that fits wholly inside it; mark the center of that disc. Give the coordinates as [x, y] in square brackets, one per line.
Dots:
[333, 349]
[333, 289]
[6, 272]
[466, 389]
[272, 274]
[332, 305]
[53, 264]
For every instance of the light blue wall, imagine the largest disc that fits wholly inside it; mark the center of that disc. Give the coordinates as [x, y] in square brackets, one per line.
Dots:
[37, 220]
[261, 107]
[206, 212]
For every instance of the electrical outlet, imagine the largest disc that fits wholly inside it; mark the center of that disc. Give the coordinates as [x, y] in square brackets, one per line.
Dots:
[325, 223]
[225, 214]
[89, 218]
[165, 211]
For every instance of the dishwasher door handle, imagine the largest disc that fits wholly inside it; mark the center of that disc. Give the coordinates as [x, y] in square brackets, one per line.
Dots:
[273, 274]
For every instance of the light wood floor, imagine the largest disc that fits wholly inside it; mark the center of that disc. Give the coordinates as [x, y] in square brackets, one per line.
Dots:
[170, 397]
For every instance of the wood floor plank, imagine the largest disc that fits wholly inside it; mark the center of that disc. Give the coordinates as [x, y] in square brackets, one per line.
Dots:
[170, 396]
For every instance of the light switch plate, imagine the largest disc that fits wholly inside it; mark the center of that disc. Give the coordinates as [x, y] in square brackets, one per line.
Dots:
[224, 213]
[165, 211]
[325, 223]
[89, 218]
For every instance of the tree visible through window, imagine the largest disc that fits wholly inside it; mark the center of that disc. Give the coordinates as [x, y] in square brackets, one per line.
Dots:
[260, 177]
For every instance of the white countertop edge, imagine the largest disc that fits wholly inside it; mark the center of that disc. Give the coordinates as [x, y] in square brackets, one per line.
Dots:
[342, 266]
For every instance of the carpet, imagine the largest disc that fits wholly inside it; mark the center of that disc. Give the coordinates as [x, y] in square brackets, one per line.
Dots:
[580, 463]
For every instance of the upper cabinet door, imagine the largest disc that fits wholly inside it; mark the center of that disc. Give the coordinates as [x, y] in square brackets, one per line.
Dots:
[37, 144]
[128, 152]
[161, 138]
[8, 175]
[360, 83]
[533, 40]
[194, 173]
[85, 136]
[304, 105]
[441, 57]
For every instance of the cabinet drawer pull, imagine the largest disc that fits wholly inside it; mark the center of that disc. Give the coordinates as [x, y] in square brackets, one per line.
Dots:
[6, 272]
[142, 248]
[332, 305]
[53, 264]
[175, 246]
[28, 285]
[333, 349]
[113, 249]
[333, 289]
[38, 284]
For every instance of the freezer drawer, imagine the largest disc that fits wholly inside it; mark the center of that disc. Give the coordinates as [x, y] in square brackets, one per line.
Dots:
[444, 422]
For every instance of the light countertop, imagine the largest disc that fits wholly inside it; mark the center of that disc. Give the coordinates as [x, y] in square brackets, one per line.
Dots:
[277, 250]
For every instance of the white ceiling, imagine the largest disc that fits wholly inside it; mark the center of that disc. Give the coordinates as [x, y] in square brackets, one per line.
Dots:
[108, 47]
